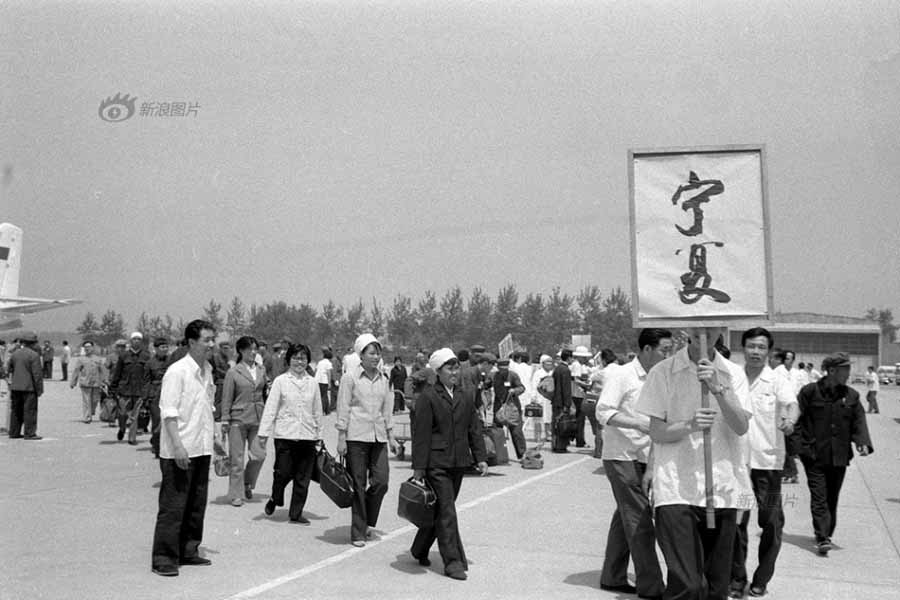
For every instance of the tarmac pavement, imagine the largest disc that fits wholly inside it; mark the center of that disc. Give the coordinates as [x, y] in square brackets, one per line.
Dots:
[77, 511]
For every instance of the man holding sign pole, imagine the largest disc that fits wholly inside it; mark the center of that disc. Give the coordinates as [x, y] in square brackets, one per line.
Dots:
[698, 557]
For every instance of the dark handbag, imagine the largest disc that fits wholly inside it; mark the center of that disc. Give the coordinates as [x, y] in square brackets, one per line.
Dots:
[334, 479]
[566, 426]
[417, 503]
[508, 414]
[533, 409]
[546, 387]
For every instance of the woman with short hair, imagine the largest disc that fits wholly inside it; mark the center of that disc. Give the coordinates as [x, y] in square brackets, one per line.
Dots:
[293, 416]
[242, 407]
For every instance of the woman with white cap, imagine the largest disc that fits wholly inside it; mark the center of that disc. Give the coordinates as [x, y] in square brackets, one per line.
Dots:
[364, 422]
[542, 372]
[448, 428]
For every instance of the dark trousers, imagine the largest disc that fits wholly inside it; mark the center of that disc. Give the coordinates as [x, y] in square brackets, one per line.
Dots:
[294, 461]
[155, 425]
[65, 371]
[824, 483]
[589, 408]
[399, 402]
[579, 422]
[790, 464]
[128, 407]
[872, 399]
[698, 559]
[630, 531]
[23, 409]
[368, 463]
[558, 444]
[182, 506]
[770, 518]
[48, 369]
[516, 433]
[326, 403]
[445, 483]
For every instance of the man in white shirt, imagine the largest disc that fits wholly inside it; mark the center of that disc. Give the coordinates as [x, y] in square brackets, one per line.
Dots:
[698, 559]
[186, 444]
[626, 446]
[872, 389]
[784, 360]
[774, 407]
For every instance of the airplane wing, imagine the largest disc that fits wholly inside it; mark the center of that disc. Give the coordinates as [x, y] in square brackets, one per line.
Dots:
[25, 306]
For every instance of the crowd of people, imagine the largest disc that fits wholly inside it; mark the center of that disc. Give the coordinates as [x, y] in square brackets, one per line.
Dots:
[650, 416]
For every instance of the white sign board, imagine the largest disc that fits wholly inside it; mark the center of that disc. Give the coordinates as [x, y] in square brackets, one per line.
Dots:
[505, 347]
[699, 229]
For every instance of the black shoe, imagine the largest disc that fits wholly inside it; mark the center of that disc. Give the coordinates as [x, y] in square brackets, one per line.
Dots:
[248, 492]
[823, 547]
[270, 507]
[120, 435]
[301, 520]
[195, 561]
[735, 593]
[459, 575]
[166, 570]
[33, 437]
[565, 451]
[757, 590]
[132, 443]
[625, 588]
[422, 561]
[16, 437]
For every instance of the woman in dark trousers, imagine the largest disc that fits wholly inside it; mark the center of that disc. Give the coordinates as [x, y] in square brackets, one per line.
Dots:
[364, 424]
[293, 416]
[448, 428]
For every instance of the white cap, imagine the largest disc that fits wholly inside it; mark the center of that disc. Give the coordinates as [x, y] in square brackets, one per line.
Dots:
[440, 357]
[545, 357]
[364, 340]
[138, 335]
[582, 351]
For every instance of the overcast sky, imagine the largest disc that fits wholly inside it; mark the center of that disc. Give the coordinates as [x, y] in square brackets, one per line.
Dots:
[348, 151]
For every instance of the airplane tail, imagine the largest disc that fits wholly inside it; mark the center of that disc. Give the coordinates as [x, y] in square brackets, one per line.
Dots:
[10, 256]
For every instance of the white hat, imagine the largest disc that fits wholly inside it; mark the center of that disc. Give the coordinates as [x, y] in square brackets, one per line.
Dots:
[545, 357]
[440, 357]
[364, 340]
[582, 351]
[138, 335]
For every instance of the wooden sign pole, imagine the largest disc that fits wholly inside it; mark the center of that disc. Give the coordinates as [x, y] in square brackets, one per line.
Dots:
[707, 441]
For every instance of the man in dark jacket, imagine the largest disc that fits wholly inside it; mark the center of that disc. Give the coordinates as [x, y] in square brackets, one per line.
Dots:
[47, 357]
[831, 418]
[127, 384]
[508, 386]
[153, 375]
[398, 379]
[26, 384]
[562, 397]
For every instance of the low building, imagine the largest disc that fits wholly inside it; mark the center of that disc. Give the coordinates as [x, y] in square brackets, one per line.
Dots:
[812, 337]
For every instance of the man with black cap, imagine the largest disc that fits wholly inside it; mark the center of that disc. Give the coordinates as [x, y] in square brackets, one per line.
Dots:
[831, 417]
[26, 384]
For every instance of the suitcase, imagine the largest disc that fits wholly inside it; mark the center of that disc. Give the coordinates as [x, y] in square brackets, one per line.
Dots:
[417, 503]
[533, 409]
[497, 437]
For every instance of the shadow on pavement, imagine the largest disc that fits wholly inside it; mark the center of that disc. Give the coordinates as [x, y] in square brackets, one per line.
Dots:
[896, 500]
[336, 535]
[804, 542]
[407, 564]
[589, 579]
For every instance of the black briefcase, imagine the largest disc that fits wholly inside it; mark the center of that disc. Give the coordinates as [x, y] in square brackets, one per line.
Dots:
[417, 503]
[335, 480]
[533, 409]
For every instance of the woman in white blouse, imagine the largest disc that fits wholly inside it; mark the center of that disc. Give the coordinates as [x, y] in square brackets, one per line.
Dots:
[543, 371]
[364, 422]
[293, 416]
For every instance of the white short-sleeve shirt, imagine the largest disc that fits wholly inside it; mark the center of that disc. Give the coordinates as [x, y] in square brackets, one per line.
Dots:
[770, 396]
[187, 395]
[672, 393]
[621, 388]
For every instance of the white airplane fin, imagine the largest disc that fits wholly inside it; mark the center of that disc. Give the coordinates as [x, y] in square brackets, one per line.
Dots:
[10, 257]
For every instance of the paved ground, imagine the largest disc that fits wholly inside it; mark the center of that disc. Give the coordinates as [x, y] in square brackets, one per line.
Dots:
[77, 512]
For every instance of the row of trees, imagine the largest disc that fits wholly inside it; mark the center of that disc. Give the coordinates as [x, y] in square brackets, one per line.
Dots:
[538, 322]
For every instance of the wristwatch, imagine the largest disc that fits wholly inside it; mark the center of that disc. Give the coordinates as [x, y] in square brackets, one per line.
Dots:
[718, 391]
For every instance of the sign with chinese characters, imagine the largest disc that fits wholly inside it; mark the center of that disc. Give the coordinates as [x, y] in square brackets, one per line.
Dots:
[699, 232]
[505, 347]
